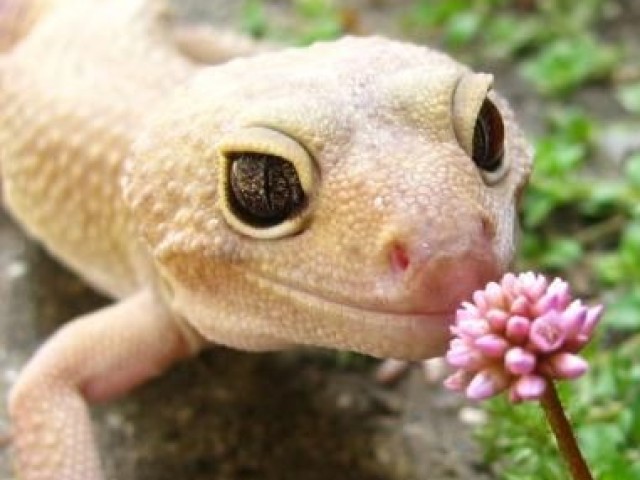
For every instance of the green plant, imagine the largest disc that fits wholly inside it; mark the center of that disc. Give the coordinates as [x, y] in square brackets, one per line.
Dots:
[568, 62]
[604, 406]
[629, 97]
[316, 20]
[584, 223]
[254, 19]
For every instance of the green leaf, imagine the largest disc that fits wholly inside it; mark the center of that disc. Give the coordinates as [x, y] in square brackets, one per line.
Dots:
[603, 197]
[634, 426]
[609, 268]
[573, 124]
[322, 29]
[600, 440]
[558, 155]
[561, 253]
[567, 62]
[430, 13]
[462, 28]
[254, 20]
[537, 207]
[631, 241]
[629, 97]
[506, 35]
[531, 245]
[624, 314]
[630, 251]
[616, 467]
[312, 9]
[632, 170]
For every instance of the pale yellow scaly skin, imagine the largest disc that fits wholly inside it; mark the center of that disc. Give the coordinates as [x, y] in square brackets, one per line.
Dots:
[113, 146]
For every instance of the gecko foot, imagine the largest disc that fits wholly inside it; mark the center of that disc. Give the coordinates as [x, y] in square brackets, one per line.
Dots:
[392, 370]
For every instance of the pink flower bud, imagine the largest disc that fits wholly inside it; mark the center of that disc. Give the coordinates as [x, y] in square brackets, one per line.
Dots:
[560, 289]
[576, 343]
[457, 381]
[471, 328]
[497, 320]
[594, 314]
[519, 361]
[530, 387]
[480, 301]
[565, 365]
[546, 333]
[573, 318]
[535, 287]
[487, 383]
[516, 335]
[520, 306]
[462, 355]
[549, 301]
[492, 345]
[525, 280]
[517, 329]
[467, 312]
[509, 282]
[494, 295]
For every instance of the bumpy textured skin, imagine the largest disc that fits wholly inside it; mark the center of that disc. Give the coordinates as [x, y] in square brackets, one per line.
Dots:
[111, 137]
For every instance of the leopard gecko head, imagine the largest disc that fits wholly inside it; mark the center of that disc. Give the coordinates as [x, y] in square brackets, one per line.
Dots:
[346, 195]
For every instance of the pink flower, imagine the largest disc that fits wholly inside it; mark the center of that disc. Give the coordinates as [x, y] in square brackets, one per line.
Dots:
[517, 334]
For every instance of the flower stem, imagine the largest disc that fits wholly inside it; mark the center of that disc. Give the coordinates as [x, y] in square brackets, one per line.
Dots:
[564, 434]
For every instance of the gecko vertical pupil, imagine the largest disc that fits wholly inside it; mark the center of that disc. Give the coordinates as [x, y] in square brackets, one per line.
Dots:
[488, 138]
[264, 189]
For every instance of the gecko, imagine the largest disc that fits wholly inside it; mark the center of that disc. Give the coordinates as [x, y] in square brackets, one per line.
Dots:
[348, 194]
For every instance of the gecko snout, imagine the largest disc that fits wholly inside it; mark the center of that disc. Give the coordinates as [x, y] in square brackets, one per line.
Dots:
[438, 267]
[461, 238]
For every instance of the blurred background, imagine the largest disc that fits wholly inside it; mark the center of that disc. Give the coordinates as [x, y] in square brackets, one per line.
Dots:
[571, 70]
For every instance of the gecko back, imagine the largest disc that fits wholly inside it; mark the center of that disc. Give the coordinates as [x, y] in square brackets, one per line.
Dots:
[78, 78]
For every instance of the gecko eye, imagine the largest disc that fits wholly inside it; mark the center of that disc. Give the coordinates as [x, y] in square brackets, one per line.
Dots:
[267, 183]
[265, 189]
[479, 127]
[488, 138]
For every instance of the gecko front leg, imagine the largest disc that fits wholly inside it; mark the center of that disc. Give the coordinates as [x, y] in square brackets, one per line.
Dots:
[207, 45]
[93, 358]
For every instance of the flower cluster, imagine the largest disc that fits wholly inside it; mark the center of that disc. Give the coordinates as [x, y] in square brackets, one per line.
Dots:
[516, 334]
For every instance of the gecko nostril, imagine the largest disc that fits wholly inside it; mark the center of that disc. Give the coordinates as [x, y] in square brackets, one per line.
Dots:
[488, 227]
[399, 258]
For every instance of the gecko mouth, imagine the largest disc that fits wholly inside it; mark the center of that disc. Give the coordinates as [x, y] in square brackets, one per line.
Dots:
[336, 324]
[314, 299]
